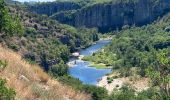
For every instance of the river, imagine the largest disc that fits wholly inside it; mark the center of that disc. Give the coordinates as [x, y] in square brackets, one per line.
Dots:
[82, 71]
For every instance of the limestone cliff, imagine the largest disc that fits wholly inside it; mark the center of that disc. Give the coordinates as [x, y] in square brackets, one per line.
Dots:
[53, 7]
[111, 15]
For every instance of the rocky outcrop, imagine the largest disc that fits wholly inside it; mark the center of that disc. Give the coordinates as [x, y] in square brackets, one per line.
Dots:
[67, 17]
[110, 16]
[53, 7]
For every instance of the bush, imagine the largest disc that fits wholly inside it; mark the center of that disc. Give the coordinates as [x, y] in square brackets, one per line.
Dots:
[3, 64]
[13, 47]
[8, 24]
[6, 93]
[124, 92]
[109, 80]
[73, 82]
[59, 69]
[98, 93]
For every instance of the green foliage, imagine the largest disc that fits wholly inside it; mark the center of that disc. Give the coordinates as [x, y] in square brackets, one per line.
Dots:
[149, 94]
[46, 42]
[110, 79]
[73, 82]
[3, 64]
[14, 47]
[128, 93]
[92, 2]
[59, 69]
[124, 92]
[6, 93]
[97, 93]
[160, 75]
[8, 24]
[135, 47]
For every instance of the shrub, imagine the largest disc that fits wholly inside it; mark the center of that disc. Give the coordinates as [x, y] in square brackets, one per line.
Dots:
[124, 92]
[98, 93]
[6, 93]
[59, 69]
[8, 24]
[109, 80]
[13, 47]
[3, 64]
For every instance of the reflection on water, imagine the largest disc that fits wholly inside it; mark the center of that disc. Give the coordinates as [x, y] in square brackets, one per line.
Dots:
[88, 75]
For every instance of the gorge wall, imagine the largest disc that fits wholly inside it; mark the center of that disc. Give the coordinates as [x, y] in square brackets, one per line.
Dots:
[108, 16]
[53, 7]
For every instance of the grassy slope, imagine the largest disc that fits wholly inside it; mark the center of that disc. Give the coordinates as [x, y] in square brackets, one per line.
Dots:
[31, 82]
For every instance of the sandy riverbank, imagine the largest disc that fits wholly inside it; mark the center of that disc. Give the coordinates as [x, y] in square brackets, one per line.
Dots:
[138, 85]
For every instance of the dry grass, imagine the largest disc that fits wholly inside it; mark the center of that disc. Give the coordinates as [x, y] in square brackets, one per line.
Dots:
[31, 82]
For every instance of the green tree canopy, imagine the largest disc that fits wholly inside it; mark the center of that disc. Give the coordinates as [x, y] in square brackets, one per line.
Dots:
[9, 25]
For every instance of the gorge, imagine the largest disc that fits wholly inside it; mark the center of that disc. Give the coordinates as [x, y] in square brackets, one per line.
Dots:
[121, 50]
[105, 16]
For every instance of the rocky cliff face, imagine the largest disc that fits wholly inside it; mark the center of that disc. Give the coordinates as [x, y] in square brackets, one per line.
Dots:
[53, 7]
[109, 16]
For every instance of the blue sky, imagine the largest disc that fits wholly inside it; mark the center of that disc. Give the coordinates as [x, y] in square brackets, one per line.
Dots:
[34, 0]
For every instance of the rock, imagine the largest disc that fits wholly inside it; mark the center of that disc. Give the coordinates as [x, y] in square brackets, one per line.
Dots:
[112, 16]
[76, 54]
[167, 29]
[23, 78]
[53, 7]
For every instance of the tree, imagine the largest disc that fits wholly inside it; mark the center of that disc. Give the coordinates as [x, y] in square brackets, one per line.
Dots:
[160, 73]
[8, 24]
[98, 93]
[60, 69]
[44, 61]
[2, 13]
[125, 93]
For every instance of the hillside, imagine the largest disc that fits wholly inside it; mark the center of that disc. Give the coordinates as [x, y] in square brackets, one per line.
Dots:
[131, 61]
[35, 42]
[106, 15]
[46, 42]
[30, 82]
